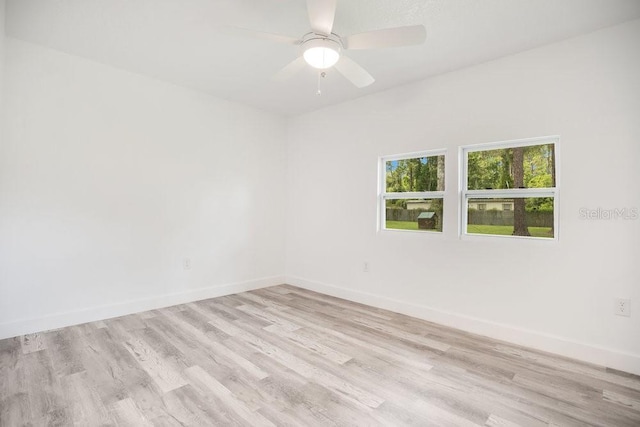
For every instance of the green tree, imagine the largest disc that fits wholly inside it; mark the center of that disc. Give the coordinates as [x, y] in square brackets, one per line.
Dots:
[519, 212]
[417, 174]
[486, 169]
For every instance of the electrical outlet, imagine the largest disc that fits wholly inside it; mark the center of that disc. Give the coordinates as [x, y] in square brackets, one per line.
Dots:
[186, 264]
[622, 307]
[365, 266]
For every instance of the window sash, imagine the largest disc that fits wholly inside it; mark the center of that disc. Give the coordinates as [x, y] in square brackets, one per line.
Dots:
[511, 192]
[464, 209]
[528, 142]
[382, 221]
[414, 195]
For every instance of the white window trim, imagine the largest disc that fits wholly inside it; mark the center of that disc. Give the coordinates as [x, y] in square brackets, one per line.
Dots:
[383, 195]
[466, 194]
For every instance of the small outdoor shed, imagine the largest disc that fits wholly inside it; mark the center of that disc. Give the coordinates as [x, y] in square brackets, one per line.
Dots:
[427, 220]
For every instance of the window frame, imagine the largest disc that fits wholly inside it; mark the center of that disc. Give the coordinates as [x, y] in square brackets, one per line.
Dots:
[465, 194]
[383, 195]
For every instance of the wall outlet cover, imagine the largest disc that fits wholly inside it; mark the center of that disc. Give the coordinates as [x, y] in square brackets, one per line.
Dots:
[622, 307]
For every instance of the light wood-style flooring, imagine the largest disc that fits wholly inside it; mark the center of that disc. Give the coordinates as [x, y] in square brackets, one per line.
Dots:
[287, 356]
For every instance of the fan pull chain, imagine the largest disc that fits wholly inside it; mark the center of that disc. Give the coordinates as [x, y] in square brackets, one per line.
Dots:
[321, 75]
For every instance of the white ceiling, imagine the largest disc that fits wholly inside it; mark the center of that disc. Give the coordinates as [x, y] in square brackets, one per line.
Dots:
[186, 41]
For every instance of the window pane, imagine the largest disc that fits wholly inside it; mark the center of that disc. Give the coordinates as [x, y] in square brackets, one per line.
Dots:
[531, 216]
[417, 174]
[517, 167]
[413, 214]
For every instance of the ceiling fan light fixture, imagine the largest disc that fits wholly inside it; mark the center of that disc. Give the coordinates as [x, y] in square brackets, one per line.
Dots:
[321, 53]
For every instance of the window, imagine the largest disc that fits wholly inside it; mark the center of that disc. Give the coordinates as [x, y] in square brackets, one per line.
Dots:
[510, 189]
[411, 191]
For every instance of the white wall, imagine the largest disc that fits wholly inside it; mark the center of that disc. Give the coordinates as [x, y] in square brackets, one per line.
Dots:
[556, 296]
[109, 179]
[2, 12]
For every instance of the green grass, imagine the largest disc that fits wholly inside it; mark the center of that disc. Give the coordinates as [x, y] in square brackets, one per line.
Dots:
[507, 230]
[500, 230]
[405, 225]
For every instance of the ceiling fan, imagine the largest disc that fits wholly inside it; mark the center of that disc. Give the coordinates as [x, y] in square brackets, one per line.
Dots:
[321, 48]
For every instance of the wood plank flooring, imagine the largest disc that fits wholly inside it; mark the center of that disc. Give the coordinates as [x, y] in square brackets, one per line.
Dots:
[286, 356]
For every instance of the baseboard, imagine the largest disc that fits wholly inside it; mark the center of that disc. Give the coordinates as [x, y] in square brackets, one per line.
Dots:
[594, 354]
[92, 314]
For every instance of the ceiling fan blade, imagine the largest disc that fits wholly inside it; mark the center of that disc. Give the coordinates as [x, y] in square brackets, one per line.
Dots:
[354, 72]
[321, 15]
[389, 37]
[243, 32]
[290, 69]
